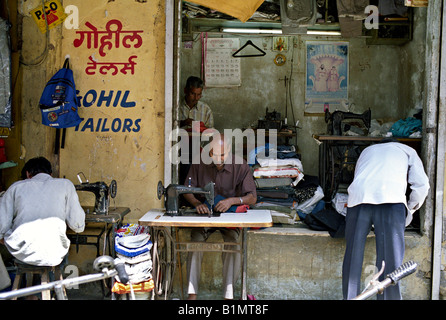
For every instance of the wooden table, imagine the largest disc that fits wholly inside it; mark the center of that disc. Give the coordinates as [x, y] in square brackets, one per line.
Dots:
[109, 223]
[157, 219]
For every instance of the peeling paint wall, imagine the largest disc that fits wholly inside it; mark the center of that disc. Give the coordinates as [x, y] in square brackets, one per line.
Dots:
[120, 79]
[121, 135]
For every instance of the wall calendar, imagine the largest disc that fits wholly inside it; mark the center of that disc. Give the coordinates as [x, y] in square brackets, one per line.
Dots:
[221, 69]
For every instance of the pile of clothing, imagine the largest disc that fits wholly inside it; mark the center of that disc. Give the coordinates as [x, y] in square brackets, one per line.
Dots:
[132, 246]
[276, 162]
[308, 196]
[329, 218]
[281, 184]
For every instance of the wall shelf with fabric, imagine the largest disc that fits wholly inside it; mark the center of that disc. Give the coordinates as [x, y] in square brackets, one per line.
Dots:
[392, 30]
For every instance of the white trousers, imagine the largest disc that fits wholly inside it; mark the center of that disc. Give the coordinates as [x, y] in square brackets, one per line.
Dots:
[231, 260]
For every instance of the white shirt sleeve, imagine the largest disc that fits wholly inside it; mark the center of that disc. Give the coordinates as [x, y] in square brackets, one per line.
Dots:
[418, 181]
[75, 213]
[6, 213]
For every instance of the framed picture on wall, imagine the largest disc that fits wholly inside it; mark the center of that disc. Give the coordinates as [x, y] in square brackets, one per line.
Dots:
[326, 84]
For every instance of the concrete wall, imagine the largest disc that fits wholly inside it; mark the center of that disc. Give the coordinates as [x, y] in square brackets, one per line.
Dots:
[385, 78]
[124, 142]
[301, 264]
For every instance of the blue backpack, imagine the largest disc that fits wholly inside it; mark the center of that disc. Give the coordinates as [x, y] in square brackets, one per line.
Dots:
[59, 102]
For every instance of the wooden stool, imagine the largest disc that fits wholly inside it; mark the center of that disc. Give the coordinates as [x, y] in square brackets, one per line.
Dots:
[29, 271]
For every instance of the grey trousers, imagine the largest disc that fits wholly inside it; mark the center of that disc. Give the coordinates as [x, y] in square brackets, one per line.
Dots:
[389, 224]
[231, 261]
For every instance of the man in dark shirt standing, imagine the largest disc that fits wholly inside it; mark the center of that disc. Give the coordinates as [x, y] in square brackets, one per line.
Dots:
[235, 184]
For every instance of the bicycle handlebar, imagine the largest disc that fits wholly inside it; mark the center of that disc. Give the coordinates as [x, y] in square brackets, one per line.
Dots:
[391, 279]
[105, 264]
[403, 271]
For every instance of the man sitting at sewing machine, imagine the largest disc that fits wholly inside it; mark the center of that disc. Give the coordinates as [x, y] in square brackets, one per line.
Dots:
[235, 185]
[34, 214]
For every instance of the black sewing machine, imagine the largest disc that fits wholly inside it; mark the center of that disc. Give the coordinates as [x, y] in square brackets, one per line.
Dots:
[340, 122]
[272, 120]
[173, 191]
[101, 191]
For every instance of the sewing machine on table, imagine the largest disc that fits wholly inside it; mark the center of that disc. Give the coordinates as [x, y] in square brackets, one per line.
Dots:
[108, 218]
[166, 242]
[173, 192]
[101, 191]
[340, 122]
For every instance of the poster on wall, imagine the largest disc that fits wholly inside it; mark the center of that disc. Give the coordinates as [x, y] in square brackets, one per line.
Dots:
[326, 85]
[221, 69]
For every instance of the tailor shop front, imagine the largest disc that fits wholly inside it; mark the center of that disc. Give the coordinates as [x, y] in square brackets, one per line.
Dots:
[130, 63]
[272, 79]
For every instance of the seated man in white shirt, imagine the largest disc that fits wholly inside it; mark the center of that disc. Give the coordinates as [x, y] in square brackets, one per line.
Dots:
[377, 196]
[35, 212]
[191, 108]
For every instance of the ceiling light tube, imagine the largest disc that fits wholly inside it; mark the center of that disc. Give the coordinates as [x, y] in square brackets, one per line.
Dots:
[324, 33]
[278, 31]
[240, 30]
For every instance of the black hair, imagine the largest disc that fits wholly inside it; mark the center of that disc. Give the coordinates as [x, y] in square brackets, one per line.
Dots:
[35, 166]
[388, 139]
[194, 82]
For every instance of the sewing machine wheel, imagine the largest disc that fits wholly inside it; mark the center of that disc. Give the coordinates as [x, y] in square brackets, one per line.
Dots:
[160, 190]
[113, 188]
[103, 262]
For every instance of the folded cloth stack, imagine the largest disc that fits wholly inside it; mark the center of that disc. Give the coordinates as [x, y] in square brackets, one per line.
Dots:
[276, 171]
[303, 198]
[281, 184]
[279, 168]
[271, 151]
[133, 245]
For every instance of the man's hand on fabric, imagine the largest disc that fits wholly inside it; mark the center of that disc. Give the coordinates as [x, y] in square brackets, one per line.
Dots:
[223, 205]
[202, 209]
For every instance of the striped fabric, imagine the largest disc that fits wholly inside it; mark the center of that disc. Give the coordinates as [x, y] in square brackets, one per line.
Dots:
[201, 112]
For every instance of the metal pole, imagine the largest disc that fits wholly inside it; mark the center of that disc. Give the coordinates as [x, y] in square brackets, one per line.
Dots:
[69, 282]
[244, 262]
[434, 135]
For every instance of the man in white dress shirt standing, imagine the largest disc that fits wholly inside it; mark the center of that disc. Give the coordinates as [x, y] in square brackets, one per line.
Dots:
[377, 196]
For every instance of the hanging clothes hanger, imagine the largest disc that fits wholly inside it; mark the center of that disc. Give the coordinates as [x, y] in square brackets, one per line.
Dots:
[249, 42]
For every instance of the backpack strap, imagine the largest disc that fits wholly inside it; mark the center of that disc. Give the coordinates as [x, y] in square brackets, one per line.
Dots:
[66, 64]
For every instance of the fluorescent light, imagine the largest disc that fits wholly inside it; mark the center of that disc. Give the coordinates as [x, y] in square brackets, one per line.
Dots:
[278, 31]
[324, 33]
[240, 30]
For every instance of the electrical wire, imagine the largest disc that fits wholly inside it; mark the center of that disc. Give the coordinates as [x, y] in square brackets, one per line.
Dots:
[289, 87]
